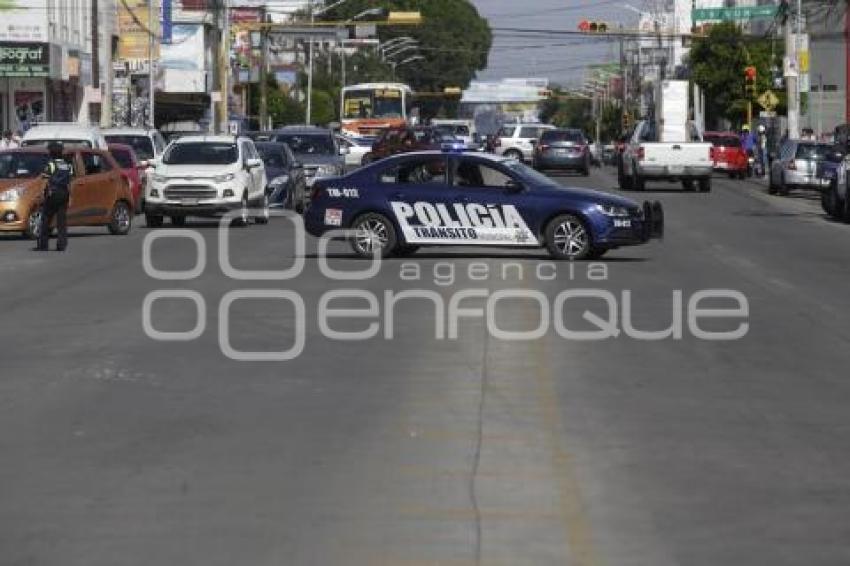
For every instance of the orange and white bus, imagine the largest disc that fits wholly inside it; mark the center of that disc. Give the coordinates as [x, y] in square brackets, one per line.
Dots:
[369, 108]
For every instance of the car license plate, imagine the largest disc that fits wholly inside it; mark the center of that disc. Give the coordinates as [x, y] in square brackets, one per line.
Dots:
[677, 169]
[189, 202]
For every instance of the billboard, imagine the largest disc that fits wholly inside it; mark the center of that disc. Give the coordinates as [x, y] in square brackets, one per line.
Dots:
[22, 23]
[24, 59]
[181, 63]
[134, 38]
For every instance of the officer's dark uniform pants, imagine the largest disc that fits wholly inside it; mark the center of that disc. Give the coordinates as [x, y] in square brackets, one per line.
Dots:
[60, 211]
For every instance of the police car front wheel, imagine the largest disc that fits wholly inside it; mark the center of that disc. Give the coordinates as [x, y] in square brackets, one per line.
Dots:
[373, 232]
[567, 237]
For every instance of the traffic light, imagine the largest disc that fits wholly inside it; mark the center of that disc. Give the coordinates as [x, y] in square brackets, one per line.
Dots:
[750, 79]
[590, 26]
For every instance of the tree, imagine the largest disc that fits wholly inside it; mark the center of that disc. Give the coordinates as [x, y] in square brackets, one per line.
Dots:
[717, 66]
[454, 39]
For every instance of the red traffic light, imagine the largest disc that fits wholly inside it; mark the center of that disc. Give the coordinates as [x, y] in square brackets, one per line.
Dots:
[592, 26]
[750, 73]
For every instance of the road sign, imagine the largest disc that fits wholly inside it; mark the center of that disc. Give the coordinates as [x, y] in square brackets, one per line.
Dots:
[732, 14]
[768, 100]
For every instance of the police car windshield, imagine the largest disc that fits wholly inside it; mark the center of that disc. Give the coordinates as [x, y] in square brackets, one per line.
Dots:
[201, 153]
[22, 165]
[142, 145]
[308, 144]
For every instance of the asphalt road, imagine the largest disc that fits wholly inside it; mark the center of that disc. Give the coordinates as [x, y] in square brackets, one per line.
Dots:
[121, 450]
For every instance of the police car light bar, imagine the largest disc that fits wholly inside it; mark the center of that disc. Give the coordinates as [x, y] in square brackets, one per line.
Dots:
[453, 147]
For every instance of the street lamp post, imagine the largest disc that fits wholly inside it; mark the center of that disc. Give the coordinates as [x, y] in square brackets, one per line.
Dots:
[313, 13]
[405, 62]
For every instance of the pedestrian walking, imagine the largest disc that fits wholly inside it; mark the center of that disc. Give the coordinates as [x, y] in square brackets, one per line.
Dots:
[57, 193]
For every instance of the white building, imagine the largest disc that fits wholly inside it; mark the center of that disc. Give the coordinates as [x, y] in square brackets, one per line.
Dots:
[46, 61]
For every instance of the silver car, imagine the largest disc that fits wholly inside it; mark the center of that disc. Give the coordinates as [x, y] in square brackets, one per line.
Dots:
[796, 166]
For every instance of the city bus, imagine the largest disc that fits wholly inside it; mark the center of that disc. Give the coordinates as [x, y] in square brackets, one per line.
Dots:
[369, 108]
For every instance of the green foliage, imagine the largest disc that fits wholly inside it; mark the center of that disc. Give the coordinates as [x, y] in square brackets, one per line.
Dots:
[323, 109]
[454, 39]
[573, 112]
[717, 66]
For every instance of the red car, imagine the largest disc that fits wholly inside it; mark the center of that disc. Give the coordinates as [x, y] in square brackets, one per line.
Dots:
[728, 153]
[405, 140]
[132, 170]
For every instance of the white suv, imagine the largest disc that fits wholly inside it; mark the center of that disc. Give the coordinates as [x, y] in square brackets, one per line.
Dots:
[207, 176]
[517, 140]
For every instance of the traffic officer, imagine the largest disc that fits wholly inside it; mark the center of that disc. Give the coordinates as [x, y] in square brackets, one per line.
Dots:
[56, 196]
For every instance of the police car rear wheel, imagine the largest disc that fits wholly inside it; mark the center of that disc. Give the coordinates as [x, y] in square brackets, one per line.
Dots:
[373, 231]
[567, 238]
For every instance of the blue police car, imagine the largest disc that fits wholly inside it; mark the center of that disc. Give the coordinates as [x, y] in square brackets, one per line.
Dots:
[449, 198]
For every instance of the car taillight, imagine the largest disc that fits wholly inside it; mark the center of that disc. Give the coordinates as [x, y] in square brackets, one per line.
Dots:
[641, 153]
[542, 147]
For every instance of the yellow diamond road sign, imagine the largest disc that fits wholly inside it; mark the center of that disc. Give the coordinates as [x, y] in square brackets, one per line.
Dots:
[768, 100]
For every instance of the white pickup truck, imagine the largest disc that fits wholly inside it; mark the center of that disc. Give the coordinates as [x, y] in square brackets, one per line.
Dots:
[645, 158]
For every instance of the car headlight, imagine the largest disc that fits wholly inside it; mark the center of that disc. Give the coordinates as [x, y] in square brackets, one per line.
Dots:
[282, 180]
[10, 195]
[224, 178]
[611, 210]
[159, 178]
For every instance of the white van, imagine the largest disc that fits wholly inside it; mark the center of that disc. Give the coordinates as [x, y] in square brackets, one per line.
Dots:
[67, 133]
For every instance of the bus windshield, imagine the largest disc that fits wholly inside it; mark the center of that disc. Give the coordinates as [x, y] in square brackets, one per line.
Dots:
[373, 103]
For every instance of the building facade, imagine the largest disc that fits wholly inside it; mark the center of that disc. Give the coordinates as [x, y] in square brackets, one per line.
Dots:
[46, 62]
[826, 104]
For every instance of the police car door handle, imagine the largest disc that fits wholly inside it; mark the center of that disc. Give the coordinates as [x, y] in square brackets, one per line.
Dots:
[398, 195]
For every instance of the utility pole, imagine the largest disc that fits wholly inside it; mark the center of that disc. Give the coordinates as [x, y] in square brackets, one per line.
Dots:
[309, 115]
[264, 87]
[224, 67]
[791, 81]
[151, 45]
[94, 107]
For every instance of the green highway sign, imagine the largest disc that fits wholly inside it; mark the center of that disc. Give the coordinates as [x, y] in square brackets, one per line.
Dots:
[732, 14]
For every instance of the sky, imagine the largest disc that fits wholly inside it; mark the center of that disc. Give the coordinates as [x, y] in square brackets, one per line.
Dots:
[563, 63]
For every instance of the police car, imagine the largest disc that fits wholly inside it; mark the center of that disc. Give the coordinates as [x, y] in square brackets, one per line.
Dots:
[451, 198]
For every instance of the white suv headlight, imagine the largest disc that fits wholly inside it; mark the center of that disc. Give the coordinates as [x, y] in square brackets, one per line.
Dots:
[11, 195]
[224, 178]
[159, 178]
[611, 210]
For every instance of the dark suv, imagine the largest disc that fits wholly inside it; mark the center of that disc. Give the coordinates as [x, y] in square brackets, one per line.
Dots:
[315, 148]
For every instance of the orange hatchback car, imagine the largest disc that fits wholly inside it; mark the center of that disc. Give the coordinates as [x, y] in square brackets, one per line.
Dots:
[100, 196]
